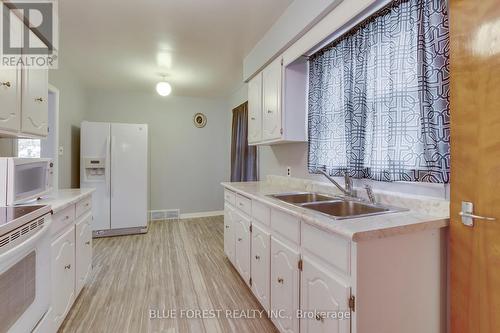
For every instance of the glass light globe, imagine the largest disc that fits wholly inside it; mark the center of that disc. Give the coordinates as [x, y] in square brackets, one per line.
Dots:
[163, 88]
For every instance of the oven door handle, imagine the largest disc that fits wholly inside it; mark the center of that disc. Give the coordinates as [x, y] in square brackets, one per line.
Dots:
[28, 243]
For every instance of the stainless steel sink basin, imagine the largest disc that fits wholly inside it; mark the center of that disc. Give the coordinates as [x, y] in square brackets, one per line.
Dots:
[338, 208]
[346, 209]
[300, 198]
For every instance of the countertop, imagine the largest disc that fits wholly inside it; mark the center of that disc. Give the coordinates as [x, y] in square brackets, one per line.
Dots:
[423, 214]
[60, 199]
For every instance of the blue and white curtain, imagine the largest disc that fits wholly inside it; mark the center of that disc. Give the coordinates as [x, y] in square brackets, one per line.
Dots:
[379, 97]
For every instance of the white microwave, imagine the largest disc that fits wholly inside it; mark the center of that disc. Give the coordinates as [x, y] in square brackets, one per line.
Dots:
[23, 179]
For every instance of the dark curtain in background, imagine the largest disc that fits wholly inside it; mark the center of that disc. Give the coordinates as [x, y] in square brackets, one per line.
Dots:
[243, 156]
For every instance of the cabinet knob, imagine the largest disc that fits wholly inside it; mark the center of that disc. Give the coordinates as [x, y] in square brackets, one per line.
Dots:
[6, 84]
[281, 280]
[39, 99]
[252, 118]
[269, 111]
[257, 257]
[227, 227]
[66, 217]
[319, 317]
[67, 266]
[240, 239]
[87, 243]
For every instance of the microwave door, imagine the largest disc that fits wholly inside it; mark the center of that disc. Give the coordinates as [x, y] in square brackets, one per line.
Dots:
[29, 181]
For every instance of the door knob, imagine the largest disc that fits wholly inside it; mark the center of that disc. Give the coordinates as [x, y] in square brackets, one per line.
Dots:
[468, 217]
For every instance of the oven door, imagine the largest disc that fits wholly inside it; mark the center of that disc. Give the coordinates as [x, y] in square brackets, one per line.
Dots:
[25, 276]
[28, 178]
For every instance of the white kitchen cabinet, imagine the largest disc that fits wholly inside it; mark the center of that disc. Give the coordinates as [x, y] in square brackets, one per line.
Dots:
[322, 294]
[229, 244]
[255, 109]
[63, 276]
[261, 265]
[271, 115]
[35, 102]
[284, 286]
[241, 225]
[83, 243]
[10, 99]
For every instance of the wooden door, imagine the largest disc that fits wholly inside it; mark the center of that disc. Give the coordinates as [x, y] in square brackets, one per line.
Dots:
[255, 109]
[321, 292]
[475, 166]
[261, 265]
[271, 113]
[284, 286]
[242, 249]
[228, 232]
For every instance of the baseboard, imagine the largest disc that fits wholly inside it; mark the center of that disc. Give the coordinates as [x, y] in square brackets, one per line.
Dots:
[201, 214]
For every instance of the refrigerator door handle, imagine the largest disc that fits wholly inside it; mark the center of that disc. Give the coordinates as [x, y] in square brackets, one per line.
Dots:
[107, 165]
[112, 148]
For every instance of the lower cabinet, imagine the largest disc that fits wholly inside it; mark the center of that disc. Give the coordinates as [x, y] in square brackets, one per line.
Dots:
[320, 295]
[83, 243]
[261, 265]
[228, 232]
[63, 275]
[241, 225]
[284, 286]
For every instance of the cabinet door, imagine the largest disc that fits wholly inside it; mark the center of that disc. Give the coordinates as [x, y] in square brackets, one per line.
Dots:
[261, 265]
[63, 275]
[10, 99]
[322, 292]
[83, 253]
[271, 115]
[229, 232]
[34, 102]
[284, 286]
[242, 248]
[255, 109]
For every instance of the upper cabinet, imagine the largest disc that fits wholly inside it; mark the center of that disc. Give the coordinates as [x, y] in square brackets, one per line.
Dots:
[277, 105]
[23, 94]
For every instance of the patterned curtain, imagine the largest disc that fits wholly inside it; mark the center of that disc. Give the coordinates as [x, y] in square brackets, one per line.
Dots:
[379, 97]
[243, 156]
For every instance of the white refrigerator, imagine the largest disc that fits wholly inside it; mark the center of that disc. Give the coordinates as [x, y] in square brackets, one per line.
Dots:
[114, 161]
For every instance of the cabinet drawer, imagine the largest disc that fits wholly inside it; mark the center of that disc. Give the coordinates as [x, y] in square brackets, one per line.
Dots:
[83, 253]
[286, 225]
[331, 248]
[229, 197]
[261, 212]
[244, 204]
[83, 206]
[63, 219]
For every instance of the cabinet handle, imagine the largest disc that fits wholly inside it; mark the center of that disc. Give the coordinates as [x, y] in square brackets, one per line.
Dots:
[6, 84]
[227, 227]
[320, 317]
[240, 239]
[87, 243]
[66, 217]
[281, 280]
[39, 99]
[252, 118]
[67, 266]
[257, 257]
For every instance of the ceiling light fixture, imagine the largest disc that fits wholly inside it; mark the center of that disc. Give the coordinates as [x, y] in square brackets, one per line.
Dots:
[163, 88]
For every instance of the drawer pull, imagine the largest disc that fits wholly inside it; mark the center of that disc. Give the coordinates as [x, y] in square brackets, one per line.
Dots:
[227, 227]
[269, 111]
[39, 99]
[6, 84]
[252, 118]
[240, 239]
[67, 266]
[66, 217]
[87, 204]
[281, 280]
[320, 318]
[257, 257]
[87, 243]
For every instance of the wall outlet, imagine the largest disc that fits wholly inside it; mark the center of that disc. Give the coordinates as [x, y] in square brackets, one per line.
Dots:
[288, 171]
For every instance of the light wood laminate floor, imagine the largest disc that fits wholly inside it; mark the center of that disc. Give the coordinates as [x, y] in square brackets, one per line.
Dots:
[176, 265]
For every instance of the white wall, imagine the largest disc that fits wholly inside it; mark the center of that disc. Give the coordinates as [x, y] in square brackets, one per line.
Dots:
[187, 163]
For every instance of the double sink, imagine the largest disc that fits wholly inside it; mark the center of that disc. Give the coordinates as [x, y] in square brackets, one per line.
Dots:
[338, 208]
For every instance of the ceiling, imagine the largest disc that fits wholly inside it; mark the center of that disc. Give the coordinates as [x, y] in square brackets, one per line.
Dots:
[199, 44]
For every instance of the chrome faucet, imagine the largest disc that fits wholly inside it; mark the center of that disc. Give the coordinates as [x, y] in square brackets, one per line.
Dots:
[348, 190]
[369, 193]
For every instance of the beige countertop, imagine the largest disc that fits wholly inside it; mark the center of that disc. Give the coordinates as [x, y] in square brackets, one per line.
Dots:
[60, 199]
[423, 212]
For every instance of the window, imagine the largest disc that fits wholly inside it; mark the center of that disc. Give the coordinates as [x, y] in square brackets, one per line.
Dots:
[29, 148]
[379, 97]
